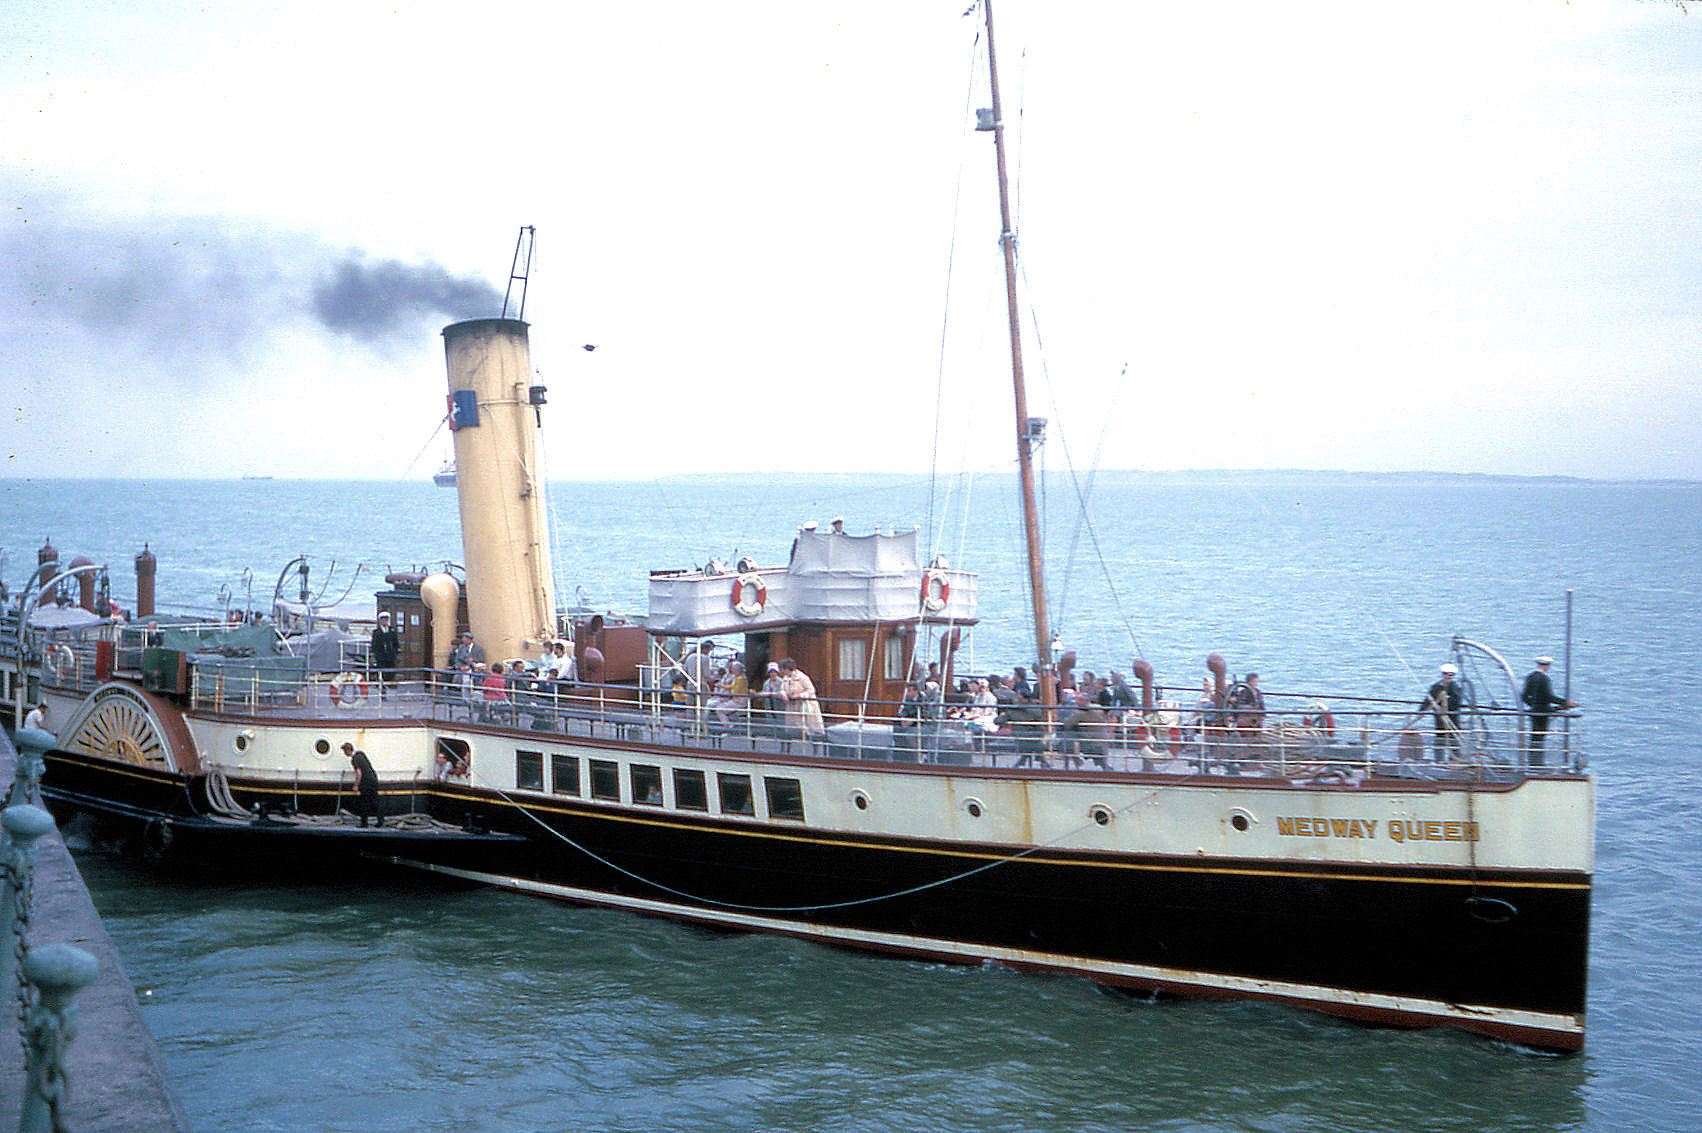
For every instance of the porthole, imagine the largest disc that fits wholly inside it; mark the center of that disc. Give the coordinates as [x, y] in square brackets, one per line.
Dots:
[322, 746]
[1242, 820]
[860, 800]
[243, 739]
[973, 807]
[1100, 813]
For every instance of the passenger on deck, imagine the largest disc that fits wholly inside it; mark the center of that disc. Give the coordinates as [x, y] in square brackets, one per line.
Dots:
[36, 717]
[464, 680]
[773, 695]
[732, 694]
[495, 688]
[1443, 703]
[983, 714]
[1020, 685]
[1082, 727]
[698, 669]
[1117, 696]
[466, 650]
[798, 693]
[562, 663]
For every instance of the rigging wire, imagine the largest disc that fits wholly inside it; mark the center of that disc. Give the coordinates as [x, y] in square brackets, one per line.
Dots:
[951, 257]
[1087, 496]
[1069, 464]
[408, 470]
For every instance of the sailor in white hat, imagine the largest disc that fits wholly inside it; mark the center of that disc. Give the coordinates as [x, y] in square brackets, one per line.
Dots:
[1443, 703]
[1539, 698]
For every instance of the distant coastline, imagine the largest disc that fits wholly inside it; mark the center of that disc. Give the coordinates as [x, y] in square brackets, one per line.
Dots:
[896, 479]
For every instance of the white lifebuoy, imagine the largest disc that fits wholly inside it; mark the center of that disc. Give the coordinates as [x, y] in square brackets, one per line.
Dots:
[750, 594]
[1321, 718]
[60, 660]
[936, 590]
[348, 690]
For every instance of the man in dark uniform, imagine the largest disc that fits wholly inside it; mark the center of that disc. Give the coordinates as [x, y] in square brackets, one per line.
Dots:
[386, 652]
[1443, 703]
[366, 785]
[1539, 698]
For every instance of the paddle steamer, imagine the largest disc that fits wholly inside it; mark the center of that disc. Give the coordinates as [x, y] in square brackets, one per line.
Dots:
[1330, 856]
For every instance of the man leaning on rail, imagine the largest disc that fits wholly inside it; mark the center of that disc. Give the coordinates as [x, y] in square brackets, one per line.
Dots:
[1539, 698]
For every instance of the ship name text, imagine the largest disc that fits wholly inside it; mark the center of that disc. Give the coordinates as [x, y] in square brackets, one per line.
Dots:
[1396, 830]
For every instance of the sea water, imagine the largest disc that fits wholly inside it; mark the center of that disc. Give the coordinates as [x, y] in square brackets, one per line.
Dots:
[405, 1005]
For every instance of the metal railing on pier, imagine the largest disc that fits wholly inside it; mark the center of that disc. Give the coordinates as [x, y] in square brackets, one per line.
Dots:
[46, 976]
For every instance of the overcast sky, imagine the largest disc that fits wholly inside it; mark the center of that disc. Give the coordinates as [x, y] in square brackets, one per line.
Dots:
[1446, 237]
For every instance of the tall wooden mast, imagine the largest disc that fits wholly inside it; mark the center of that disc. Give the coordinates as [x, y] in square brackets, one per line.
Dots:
[1024, 451]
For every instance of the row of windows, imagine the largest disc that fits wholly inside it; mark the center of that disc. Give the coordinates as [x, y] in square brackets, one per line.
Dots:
[691, 787]
[854, 659]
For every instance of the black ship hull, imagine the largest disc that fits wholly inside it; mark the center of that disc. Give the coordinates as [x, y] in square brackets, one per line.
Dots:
[1498, 952]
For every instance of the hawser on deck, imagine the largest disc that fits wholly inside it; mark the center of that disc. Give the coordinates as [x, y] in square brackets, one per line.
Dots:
[1352, 855]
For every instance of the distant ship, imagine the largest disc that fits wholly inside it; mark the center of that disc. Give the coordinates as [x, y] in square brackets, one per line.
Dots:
[445, 477]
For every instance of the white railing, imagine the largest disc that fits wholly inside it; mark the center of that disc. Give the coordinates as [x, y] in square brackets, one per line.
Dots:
[1289, 738]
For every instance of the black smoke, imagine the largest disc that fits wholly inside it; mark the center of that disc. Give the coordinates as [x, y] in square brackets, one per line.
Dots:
[375, 301]
[177, 289]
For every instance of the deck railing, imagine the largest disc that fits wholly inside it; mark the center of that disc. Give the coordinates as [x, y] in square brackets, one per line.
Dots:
[1294, 736]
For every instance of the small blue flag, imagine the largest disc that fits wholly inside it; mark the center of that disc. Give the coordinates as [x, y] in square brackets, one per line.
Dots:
[463, 409]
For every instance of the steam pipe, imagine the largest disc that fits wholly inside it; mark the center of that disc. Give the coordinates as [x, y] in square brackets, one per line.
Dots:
[1220, 677]
[1143, 673]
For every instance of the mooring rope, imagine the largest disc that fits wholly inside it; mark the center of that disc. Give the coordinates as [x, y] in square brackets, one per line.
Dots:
[905, 892]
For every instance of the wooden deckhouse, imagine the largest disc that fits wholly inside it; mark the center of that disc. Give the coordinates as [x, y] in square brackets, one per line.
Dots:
[854, 611]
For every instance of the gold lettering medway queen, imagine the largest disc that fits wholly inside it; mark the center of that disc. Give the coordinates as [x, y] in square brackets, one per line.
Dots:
[1398, 830]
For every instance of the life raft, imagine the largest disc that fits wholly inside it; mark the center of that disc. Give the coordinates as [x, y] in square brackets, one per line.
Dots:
[936, 590]
[348, 690]
[750, 594]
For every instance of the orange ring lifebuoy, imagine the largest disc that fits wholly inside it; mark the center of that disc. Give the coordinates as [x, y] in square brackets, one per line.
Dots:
[350, 692]
[936, 590]
[750, 594]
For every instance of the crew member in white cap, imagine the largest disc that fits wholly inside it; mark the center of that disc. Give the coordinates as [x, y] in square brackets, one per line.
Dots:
[384, 653]
[838, 526]
[1443, 703]
[1540, 699]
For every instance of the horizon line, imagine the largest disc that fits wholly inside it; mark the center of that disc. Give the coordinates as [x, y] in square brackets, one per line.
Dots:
[1403, 474]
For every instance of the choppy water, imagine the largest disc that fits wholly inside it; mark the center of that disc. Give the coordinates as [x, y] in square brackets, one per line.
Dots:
[409, 1007]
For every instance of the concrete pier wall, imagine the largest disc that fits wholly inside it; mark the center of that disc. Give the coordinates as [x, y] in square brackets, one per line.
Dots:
[117, 1079]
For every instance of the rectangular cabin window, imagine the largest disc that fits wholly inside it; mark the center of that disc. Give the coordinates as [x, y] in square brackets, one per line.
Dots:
[605, 780]
[646, 784]
[564, 774]
[736, 797]
[785, 798]
[690, 791]
[853, 659]
[892, 659]
[529, 770]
